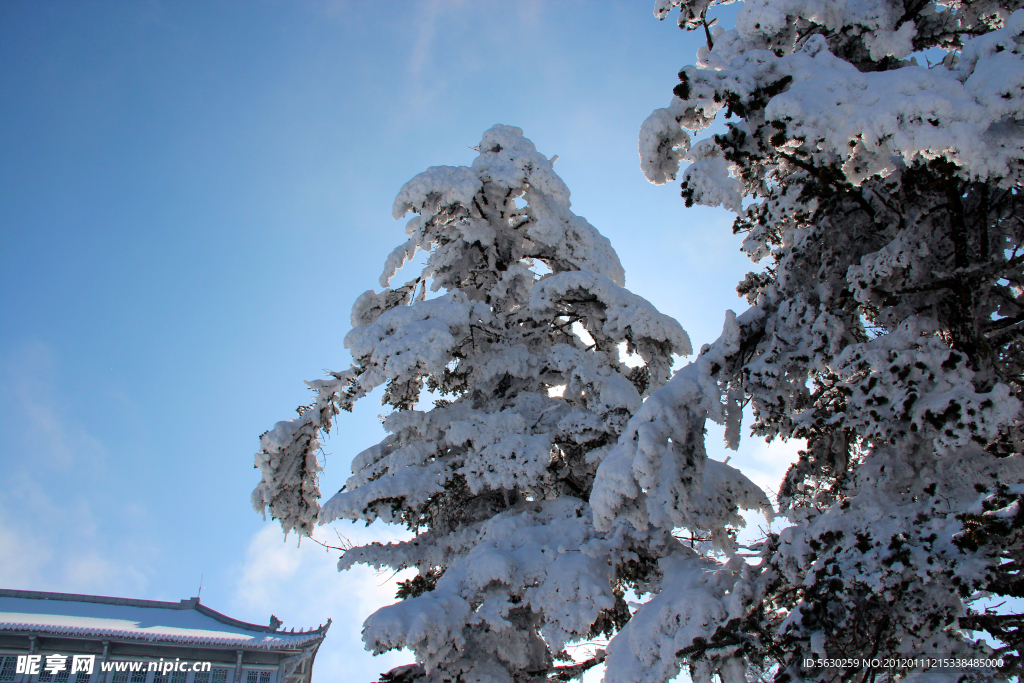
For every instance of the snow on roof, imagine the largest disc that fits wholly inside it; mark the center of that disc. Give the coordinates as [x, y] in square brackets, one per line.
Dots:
[185, 622]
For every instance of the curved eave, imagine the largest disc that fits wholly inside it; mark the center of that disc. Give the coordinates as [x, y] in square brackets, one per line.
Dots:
[187, 622]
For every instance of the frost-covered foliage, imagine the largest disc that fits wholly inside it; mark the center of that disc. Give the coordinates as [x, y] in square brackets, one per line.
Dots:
[881, 198]
[520, 323]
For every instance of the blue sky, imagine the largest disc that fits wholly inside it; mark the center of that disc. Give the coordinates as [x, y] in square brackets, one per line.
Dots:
[192, 194]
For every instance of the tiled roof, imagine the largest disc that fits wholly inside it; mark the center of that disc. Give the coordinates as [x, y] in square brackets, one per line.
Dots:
[185, 623]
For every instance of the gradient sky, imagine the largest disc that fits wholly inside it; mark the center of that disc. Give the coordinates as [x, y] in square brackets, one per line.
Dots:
[192, 194]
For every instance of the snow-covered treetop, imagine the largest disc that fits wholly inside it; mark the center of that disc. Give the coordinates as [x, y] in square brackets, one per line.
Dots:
[508, 165]
[490, 229]
[482, 246]
[536, 358]
[830, 83]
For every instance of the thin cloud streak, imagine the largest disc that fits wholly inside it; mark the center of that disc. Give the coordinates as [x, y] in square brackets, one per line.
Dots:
[301, 585]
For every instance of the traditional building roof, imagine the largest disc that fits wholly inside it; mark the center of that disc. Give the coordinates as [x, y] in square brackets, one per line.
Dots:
[180, 623]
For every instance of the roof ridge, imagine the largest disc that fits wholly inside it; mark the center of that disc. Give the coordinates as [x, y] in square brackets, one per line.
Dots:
[190, 603]
[166, 638]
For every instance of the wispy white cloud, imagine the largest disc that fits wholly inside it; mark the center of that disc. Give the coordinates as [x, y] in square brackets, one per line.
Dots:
[426, 32]
[529, 12]
[29, 386]
[24, 556]
[50, 533]
[57, 546]
[301, 585]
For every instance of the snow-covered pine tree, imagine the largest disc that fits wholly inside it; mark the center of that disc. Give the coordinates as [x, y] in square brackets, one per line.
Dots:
[524, 344]
[882, 199]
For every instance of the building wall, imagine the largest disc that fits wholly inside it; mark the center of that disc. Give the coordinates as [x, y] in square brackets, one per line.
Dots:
[217, 666]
